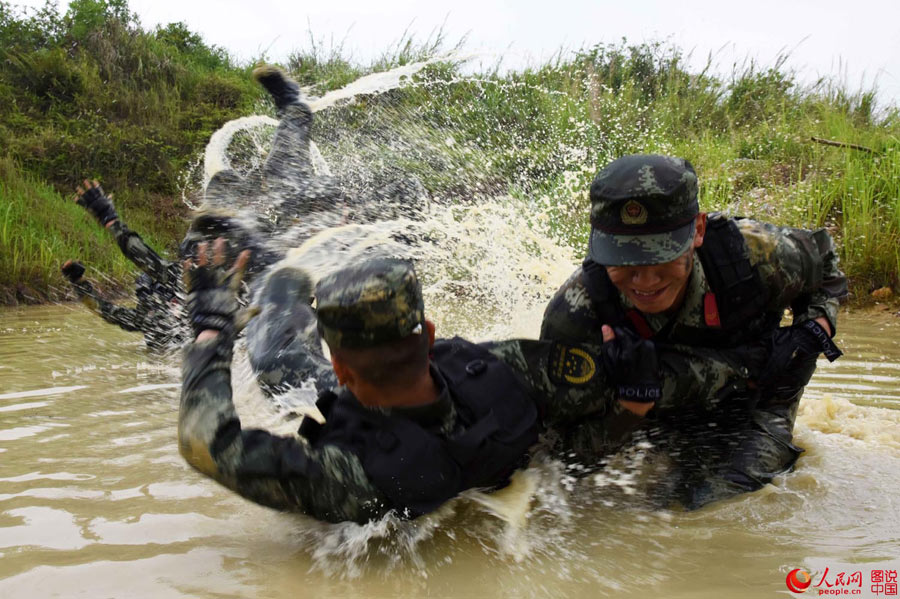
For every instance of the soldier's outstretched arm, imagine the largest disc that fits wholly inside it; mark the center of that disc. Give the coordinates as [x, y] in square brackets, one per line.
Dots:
[134, 248]
[583, 389]
[276, 471]
[126, 318]
[98, 204]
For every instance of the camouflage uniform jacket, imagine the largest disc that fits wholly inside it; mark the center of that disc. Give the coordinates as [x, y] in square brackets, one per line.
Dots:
[164, 272]
[150, 316]
[330, 483]
[800, 270]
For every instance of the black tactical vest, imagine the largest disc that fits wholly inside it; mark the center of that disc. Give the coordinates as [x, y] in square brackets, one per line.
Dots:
[418, 470]
[736, 307]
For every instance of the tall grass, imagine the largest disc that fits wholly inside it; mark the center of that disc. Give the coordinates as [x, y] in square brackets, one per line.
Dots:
[89, 93]
[92, 93]
[29, 209]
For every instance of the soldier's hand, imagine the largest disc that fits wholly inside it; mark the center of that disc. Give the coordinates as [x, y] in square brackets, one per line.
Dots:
[635, 407]
[93, 199]
[73, 271]
[631, 365]
[212, 290]
[792, 356]
[798, 342]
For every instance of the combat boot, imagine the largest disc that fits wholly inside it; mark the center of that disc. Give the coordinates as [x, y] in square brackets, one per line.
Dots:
[284, 90]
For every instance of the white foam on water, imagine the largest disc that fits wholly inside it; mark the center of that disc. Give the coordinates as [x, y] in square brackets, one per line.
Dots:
[142, 388]
[41, 392]
[834, 416]
[24, 406]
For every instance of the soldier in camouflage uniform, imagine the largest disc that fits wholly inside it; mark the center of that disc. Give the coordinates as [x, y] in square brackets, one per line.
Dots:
[686, 280]
[289, 186]
[158, 289]
[155, 314]
[288, 162]
[409, 421]
[287, 173]
[167, 274]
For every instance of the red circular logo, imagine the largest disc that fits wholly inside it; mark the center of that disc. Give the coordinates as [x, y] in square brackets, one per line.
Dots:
[798, 580]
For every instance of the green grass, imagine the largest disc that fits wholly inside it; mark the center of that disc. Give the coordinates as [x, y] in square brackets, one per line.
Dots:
[91, 93]
[31, 257]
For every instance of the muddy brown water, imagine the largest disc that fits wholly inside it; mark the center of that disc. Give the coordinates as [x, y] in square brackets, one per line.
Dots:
[96, 502]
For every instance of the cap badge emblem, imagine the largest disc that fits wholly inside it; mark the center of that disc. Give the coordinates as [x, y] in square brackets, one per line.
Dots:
[634, 213]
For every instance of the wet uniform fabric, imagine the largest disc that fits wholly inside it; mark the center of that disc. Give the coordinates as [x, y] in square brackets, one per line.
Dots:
[151, 315]
[329, 482]
[724, 450]
[162, 271]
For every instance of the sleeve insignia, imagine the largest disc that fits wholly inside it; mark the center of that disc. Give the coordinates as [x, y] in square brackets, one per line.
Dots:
[571, 365]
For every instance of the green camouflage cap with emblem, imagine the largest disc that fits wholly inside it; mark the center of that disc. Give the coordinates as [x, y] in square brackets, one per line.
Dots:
[370, 304]
[643, 210]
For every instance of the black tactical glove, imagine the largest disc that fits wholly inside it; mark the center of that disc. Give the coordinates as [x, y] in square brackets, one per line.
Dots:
[73, 271]
[212, 300]
[630, 363]
[98, 204]
[792, 355]
[212, 293]
[788, 344]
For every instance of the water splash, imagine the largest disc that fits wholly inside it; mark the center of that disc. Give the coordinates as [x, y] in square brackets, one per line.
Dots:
[376, 83]
[875, 426]
[477, 265]
[489, 254]
[216, 153]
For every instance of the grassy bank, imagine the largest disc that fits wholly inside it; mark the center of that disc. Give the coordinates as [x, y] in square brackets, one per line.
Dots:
[90, 93]
[31, 257]
[94, 93]
[750, 137]
[755, 138]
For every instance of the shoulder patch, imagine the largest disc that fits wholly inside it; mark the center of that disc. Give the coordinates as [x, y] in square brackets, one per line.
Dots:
[571, 365]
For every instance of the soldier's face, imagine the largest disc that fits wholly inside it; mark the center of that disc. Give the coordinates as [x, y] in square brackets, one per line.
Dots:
[656, 288]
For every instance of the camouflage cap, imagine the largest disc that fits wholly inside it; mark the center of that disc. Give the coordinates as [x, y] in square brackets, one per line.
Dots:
[369, 304]
[643, 210]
